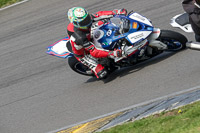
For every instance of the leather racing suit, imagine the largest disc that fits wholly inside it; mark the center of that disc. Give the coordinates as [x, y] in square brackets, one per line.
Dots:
[83, 48]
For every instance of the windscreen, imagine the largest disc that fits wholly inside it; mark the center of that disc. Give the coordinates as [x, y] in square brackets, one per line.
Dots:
[122, 23]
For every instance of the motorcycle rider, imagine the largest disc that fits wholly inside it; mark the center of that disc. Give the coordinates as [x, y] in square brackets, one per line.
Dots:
[192, 7]
[80, 38]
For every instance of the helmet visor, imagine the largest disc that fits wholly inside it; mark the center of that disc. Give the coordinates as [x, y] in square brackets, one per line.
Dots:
[86, 23]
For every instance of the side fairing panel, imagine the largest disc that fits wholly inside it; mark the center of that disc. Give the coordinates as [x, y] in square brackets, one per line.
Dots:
[140, 18]
[138, 36]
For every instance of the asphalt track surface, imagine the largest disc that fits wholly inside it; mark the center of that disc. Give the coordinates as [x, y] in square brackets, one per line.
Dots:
[40, 93]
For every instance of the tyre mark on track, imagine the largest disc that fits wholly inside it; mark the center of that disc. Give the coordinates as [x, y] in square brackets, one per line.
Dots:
[25, 75]
[13, 102]
[41, 24]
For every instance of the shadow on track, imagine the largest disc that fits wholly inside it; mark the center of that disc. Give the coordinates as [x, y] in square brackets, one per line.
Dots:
[132, 69]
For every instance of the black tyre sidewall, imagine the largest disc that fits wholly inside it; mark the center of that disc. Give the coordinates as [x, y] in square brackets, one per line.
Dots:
[174, 35]
[72, 61]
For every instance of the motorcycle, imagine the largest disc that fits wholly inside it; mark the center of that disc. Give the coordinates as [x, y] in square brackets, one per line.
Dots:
[182, 21]
[133, 32]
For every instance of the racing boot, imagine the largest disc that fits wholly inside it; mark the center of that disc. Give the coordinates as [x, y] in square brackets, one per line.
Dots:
[102, 74]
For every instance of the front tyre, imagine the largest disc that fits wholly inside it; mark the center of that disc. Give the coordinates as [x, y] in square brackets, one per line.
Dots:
[174, 40]
[79, 67]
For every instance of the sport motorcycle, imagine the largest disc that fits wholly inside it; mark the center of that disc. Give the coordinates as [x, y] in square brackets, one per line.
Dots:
[134, 34]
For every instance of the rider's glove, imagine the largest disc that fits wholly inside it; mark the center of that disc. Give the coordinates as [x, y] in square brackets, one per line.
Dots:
[120, 11]
[115, 53]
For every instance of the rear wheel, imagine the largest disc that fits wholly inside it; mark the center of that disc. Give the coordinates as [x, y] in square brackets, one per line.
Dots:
[79, 67]
[174, 40]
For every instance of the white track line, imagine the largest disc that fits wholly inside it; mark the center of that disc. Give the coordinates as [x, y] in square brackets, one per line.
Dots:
[131, 107]
[1, 9]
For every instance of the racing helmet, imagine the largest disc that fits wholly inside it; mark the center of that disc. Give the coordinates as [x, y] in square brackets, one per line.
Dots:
[80, 17]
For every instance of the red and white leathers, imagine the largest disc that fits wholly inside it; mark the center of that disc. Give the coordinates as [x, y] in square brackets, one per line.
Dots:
[84, 50]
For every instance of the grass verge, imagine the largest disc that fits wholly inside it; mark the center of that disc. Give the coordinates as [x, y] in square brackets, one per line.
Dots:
[182, 120]
[4, 3]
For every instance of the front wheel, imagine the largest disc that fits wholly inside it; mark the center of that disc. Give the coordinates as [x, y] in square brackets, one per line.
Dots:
[174, 40]
[79, 67]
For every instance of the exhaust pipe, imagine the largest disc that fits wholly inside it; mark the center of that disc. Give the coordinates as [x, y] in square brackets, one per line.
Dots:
[193, 45]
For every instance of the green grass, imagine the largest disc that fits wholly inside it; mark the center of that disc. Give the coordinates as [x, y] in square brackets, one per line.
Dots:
[183, 120]
[4, 3]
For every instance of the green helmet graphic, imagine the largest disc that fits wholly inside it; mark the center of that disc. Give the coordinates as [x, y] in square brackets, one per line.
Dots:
[79, 17]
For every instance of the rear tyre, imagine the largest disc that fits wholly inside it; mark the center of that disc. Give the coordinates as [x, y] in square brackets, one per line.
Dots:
[175, 41]
[78, 67]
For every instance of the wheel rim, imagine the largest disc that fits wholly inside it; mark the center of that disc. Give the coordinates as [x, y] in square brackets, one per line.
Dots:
[173, 44]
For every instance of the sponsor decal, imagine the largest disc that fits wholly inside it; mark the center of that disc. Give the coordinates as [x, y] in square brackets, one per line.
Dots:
[109, 33]
[140, 18]
[137, 36]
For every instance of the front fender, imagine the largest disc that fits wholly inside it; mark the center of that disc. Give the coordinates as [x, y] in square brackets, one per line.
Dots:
[155, 43]
[154, 35]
